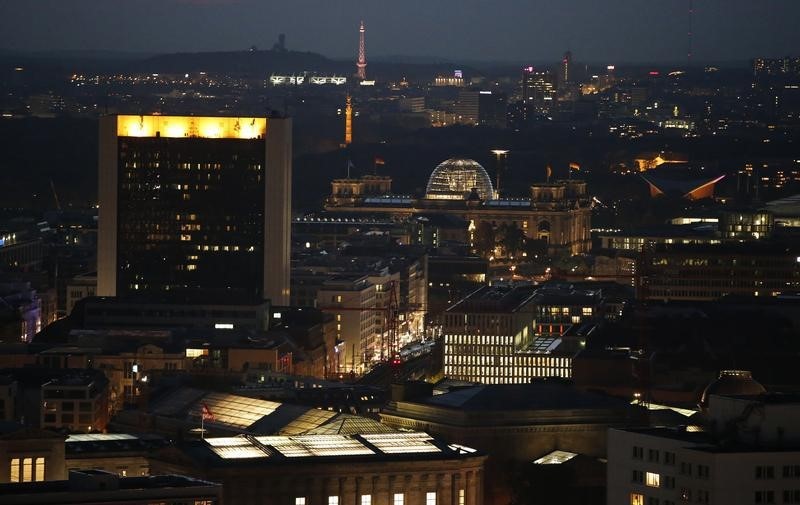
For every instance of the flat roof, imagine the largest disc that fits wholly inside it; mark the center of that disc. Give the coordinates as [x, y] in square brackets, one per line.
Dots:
[536, 396]
[495, 299]
[397, 445]
[125, 484]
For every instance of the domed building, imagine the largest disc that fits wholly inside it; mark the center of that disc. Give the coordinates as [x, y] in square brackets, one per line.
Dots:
[558, 213]
[732, 383]
[454, 179]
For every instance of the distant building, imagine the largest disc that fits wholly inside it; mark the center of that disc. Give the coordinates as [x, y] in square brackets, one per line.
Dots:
[454, 80]
[538, 91]
[352, 301]
[77, 402]
[20, 250]
[20, 312]
[80, 287]
[557, 212]
[123, 454]
[566, 76]
[485, 108]
[674, 272]
[195, 207]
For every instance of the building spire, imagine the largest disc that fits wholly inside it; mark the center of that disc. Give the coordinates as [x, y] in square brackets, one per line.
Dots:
[361, 65]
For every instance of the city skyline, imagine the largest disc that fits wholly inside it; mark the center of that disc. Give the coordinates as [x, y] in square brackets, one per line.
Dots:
[522, 31]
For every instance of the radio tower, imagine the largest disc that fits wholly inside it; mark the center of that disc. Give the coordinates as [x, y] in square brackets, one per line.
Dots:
[361, 66]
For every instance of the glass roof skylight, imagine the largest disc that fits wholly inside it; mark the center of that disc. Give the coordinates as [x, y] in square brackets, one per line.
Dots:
[402, 443]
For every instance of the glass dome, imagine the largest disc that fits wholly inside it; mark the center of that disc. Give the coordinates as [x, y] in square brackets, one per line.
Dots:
[455, 178]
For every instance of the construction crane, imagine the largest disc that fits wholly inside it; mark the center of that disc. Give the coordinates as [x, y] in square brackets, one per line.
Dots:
[55, 195]
[390, 312]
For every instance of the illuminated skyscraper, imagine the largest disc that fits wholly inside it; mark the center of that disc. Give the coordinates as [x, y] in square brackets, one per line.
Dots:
[538, 90]
[195, 208]
[566, 68]
[361, 65]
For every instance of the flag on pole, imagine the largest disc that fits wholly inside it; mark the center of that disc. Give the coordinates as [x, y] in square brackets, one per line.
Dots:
[350, 166]
[574, 166]
[379, 161]
[207, 414]
[549, 172]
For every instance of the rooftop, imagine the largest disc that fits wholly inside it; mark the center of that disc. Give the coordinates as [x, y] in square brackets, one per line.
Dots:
[302, 447]
[536, 396]
[495, 299]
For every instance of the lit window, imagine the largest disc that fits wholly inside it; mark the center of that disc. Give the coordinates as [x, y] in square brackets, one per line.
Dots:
[300, 500]
[39, 470]
[430, 498]
[399, 498]
[637, 499]
[653, 479]
[366, 499]
[333, 500]
[14, 476]
[462, 497]
[27, 469]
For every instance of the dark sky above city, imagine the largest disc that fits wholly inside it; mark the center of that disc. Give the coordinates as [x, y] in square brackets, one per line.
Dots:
[611, 31]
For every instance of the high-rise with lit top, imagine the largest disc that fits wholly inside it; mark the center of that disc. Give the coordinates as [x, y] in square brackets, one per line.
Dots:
[194, 208]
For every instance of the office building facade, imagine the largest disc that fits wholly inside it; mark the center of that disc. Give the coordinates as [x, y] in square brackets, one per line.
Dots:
[194, 207]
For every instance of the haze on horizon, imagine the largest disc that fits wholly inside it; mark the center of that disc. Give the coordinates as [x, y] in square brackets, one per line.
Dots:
[613, 31]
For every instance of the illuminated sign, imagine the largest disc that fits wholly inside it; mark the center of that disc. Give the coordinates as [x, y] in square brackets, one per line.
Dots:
[458, 74]
[611, 68]
[191, 126]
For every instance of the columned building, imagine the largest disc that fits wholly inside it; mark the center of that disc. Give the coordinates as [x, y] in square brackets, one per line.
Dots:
[195, 207]
[558, 212]
[367, 469]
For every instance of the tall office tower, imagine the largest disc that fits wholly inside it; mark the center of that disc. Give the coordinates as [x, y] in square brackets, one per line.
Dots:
[195, 208]
[361, 65]
[538, 90]
[566, 68]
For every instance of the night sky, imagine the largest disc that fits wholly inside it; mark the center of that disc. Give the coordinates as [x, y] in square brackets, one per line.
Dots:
[612, 31]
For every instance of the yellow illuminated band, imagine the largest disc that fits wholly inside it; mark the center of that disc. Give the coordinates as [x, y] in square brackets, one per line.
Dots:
[192, 126]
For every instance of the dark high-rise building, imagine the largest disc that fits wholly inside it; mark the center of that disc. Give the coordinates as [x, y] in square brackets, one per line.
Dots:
[481, 107]
[195, 208]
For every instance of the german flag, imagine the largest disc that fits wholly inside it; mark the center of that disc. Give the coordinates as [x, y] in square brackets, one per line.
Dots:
[574, 166]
